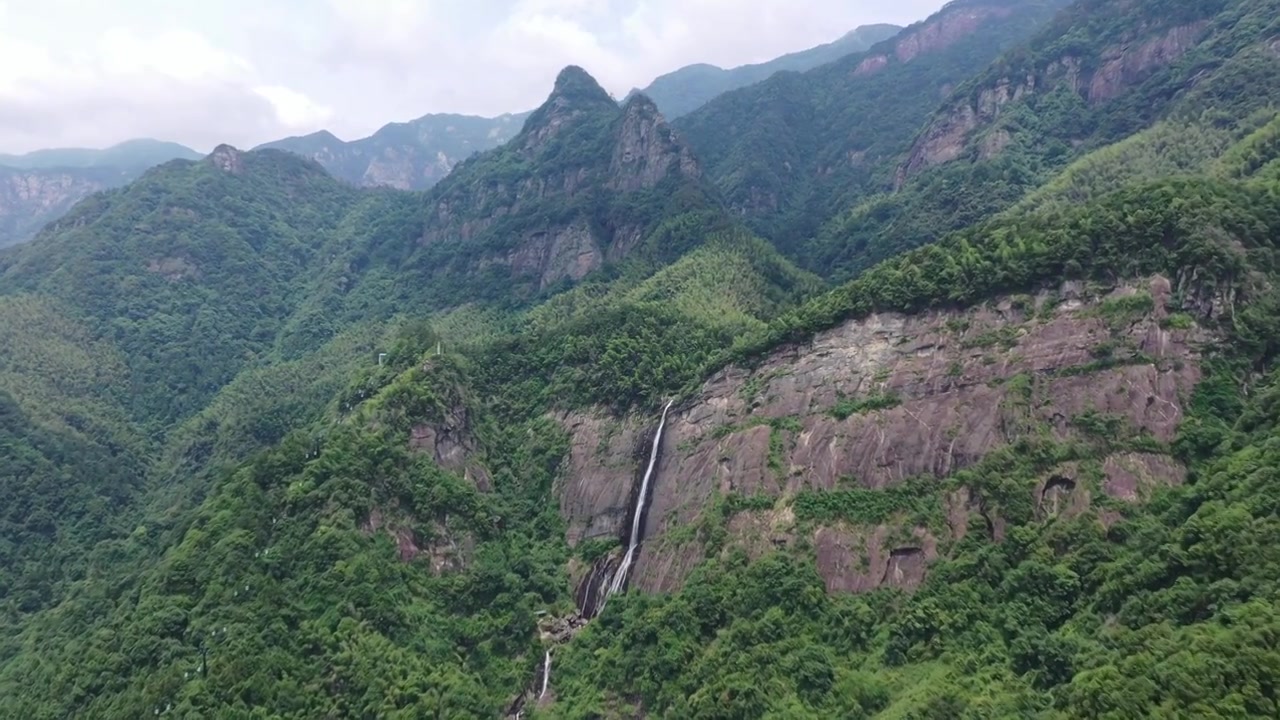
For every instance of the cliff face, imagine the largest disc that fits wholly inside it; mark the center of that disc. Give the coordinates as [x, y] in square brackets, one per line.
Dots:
[878, 404]
[1097, 75]
[29, 198]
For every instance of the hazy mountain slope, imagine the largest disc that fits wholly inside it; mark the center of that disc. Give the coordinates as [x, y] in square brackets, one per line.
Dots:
[129, 155]
[792, 151]
[39, 187]
[682, 91]
[410, 156]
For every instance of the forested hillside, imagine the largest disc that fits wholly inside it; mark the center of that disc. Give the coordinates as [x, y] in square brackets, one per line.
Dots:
[572, 435]
[689, 88]
[792, 151]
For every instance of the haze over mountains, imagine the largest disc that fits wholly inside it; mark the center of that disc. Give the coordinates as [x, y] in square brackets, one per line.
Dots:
[937, 381]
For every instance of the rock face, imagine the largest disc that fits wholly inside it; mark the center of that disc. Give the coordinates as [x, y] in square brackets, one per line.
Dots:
[971, 118]
[451, 442]
[935, 34]
[939, 392]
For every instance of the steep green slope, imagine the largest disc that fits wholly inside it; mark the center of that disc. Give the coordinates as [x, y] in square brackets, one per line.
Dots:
[681, 92]
[346, 571]
[1098, 74]
[194, 261]
[792, 151]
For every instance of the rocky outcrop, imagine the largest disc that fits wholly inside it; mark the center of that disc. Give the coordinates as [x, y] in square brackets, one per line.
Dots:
[646, 149]
[452, 444]
[950, 389]
[945, 29]
[1123, 66]
[937, 33]
[227, 159]
[972, 119]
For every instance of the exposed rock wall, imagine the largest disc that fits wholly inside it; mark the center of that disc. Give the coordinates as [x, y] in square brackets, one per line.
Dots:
[964, 384]
[1117, 69]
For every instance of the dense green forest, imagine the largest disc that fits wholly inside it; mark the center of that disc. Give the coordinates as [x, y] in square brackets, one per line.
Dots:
[272, 446]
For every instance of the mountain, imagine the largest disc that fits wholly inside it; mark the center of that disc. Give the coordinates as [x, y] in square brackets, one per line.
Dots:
[562, 438]
[791, 152]
[689, 88]
[129, 155]
[409, 156]
[1091, 78]
[41, 186]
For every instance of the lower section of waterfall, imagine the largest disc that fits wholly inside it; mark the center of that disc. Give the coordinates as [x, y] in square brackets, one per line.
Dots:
[607, 577]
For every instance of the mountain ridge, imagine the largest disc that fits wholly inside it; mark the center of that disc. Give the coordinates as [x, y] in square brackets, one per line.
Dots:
[684, 90]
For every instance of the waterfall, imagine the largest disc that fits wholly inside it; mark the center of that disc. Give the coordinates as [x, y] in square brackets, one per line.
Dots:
[620, 577]
[546, 674]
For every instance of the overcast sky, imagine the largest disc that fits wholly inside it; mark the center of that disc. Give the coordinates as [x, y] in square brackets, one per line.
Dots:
[200, 72]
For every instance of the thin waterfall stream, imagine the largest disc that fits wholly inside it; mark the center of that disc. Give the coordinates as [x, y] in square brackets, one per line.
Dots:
[620, 577]
[546, 674]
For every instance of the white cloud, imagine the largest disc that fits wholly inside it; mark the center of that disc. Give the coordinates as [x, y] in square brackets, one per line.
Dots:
[293, 109]
[245, 72]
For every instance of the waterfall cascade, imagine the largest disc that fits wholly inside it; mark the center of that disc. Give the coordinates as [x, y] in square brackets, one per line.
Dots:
[620, 576]
[604, 580]
[546, 674]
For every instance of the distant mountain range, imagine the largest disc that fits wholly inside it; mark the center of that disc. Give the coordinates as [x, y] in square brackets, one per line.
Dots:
[689, 88]
[411, 156]
[41, 186]
[131, 154]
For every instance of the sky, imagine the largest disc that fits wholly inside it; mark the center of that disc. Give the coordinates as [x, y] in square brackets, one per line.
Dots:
[91, 73]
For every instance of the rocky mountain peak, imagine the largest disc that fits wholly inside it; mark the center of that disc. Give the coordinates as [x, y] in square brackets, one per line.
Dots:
[576, 85]
[647, 149]
[227, 159]
[575, 93]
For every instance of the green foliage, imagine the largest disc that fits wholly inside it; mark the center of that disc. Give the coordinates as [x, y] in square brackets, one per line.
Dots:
[915, 499]
[1172, 227]
[848, 407]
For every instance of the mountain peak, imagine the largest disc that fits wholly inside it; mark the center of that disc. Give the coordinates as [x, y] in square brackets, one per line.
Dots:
[575, 93]
[227, 159]
[576, 84]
